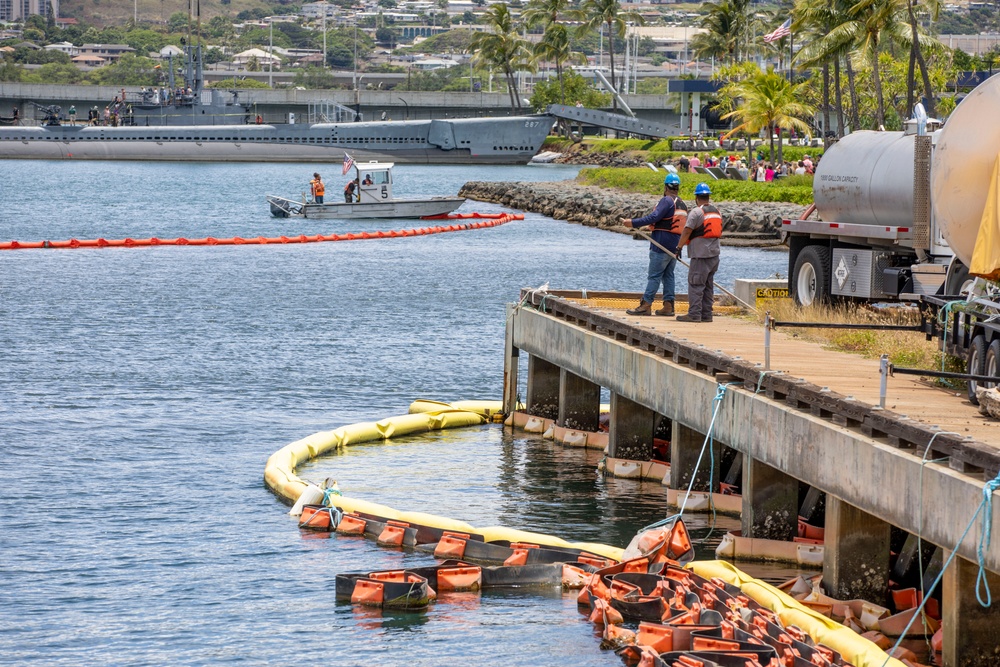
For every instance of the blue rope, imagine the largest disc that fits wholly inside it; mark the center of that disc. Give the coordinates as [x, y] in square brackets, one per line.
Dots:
[986, 507]
[984, 541]
[329, 493]
[720, 394]
[661, 522]
[943, 316]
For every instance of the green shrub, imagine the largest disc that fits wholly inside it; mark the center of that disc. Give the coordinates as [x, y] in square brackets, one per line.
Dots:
[649, 182]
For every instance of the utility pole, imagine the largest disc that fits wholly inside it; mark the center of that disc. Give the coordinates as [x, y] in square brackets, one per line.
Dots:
[324, 36]
[270, 53]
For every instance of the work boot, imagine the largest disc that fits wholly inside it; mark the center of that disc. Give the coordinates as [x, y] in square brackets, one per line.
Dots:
[667, 310]
[687, 318]
[644, 308]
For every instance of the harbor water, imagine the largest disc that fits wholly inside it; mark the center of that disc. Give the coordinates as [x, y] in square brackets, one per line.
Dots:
[142, 390]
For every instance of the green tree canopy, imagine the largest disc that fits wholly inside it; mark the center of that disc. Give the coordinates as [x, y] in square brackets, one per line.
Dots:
[130, 70]
[576, 89]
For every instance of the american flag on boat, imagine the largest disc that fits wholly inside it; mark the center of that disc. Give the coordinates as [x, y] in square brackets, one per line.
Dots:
[784, 30]
[348, 163]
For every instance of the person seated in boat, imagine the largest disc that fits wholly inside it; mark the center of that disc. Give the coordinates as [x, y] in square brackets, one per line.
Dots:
[368, 180]
[318, 189]
[349, 191]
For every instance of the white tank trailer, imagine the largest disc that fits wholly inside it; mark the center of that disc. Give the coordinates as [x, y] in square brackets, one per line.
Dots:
[899, 211]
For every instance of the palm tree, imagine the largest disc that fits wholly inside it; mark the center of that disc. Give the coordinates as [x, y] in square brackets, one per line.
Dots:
[502, 48]
[555, 48]
[812, 20]
[608, 13]
[820, 17]
[918, 39]
[544, 12]
[867, 27]
[769, 101]
[728, 24]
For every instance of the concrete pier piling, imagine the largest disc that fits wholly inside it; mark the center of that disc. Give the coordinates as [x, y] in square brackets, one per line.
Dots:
[971, 632]
[685, 448]
[579, 402]
[770, 502]
[868, 462]
[856, 558]
[543, 387]
[631, 430]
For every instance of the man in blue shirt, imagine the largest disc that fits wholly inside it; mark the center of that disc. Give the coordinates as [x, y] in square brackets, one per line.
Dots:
[667, 221]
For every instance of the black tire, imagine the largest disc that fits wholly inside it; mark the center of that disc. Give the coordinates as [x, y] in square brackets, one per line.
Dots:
[957, 278]
[810, 280]
[991, 363]
[975, 363]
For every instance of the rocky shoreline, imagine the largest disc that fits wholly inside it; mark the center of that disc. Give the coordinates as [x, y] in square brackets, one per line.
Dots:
[747, 224]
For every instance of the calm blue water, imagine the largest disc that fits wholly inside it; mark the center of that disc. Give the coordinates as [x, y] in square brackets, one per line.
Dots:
[141, 391]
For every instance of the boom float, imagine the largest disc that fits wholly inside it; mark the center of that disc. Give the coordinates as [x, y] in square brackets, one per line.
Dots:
[689, 614]
[486, 220]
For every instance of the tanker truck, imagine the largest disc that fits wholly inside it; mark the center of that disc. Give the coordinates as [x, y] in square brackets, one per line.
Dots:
[899, 214]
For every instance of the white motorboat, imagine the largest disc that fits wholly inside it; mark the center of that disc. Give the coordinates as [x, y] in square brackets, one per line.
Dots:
[372, 199]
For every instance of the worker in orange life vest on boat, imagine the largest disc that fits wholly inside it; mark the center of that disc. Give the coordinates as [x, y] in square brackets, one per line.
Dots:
[701, 235]
[318, 189]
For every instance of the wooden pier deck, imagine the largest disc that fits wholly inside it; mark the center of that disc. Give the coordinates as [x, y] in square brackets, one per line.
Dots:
[843, 372]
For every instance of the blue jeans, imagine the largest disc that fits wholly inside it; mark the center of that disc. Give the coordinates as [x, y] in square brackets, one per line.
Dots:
[661, 270]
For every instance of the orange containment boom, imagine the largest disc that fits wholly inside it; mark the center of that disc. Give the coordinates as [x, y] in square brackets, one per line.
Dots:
[485, 220]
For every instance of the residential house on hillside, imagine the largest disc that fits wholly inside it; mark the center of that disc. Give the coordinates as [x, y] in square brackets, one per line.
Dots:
[65, 47]
[109, 52]
[89, 60]
[314, 10]
[263, 59]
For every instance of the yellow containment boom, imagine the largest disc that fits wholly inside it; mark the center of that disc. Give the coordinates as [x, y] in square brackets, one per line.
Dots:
[280, 477]
[854, 648]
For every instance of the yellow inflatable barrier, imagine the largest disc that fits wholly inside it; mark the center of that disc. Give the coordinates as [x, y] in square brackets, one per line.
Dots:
[484, 408]
[854, 648]
[280, 477]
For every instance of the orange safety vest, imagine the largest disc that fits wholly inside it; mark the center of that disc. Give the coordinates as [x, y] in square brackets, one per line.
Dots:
[712, 227]
[680, 216]
[318, 189]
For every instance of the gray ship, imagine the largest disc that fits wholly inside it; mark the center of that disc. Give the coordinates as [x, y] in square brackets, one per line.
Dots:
[192, 124]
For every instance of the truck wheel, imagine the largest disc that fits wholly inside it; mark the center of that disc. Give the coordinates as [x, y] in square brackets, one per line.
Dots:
[975, 364]
[810, 280]
[991, 366]
[957, 279]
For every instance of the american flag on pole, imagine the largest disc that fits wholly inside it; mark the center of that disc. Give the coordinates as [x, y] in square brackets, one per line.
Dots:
[348, 163]
[784, 30]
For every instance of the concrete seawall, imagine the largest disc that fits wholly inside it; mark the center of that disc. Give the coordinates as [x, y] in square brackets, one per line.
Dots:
[748, 223]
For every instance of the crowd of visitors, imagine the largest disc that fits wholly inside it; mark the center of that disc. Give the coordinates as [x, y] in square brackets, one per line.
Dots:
[758, 168]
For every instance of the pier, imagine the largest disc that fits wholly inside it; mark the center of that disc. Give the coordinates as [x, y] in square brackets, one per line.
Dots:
[919, 464]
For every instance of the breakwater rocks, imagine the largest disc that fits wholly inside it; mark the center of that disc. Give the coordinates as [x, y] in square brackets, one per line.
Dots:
[746, 223]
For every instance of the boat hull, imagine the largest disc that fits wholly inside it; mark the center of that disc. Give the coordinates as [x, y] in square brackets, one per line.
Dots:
[398, 208]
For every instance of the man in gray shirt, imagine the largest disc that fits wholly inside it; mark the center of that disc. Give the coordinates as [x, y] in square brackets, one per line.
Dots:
[701, 234]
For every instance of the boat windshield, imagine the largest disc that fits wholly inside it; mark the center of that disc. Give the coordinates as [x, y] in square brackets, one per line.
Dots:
[374, 177]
